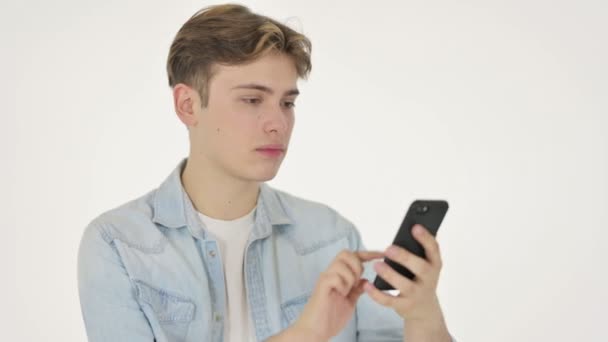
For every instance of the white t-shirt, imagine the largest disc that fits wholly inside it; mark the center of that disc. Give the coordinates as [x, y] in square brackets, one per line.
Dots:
[232, 238]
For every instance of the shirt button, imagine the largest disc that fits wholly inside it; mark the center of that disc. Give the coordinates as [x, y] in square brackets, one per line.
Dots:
[218, 317]
[212, 253]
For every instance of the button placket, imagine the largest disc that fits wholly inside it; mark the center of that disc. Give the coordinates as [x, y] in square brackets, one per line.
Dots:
[214, 264]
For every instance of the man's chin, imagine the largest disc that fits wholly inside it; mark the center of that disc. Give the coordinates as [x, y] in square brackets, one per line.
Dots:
[265, 175]
[256, 175]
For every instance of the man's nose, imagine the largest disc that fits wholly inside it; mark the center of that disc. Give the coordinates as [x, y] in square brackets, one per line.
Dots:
[275, 119]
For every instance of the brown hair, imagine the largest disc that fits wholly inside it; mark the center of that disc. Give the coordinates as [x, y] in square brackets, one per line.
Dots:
[230, 34]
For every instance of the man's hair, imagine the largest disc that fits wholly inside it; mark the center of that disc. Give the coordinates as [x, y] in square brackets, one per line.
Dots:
[230, 34]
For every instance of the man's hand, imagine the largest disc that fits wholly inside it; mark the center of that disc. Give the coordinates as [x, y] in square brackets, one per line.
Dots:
[335, 296]
[417, 302]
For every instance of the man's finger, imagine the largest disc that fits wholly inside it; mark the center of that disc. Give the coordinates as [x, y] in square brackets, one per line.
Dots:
[345, 273]
[333, 281]
[378, 296]
[356, 291]
[350, 259]
[411, 261]
[369, 255]
[429, 243]
[396, 280]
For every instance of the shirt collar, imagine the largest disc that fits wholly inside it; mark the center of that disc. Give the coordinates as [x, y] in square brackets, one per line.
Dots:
[173, 207]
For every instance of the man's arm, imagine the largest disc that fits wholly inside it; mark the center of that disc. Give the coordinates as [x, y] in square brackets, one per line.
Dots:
[427, 331]
[109, 308]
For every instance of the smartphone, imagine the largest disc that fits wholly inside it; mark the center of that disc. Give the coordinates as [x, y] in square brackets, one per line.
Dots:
[430, 214]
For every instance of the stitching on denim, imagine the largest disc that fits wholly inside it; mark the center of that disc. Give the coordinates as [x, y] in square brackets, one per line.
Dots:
[158, 247]
[303, 250]
[258, 302]
[292, 307]
[297, 300]
[178, 299]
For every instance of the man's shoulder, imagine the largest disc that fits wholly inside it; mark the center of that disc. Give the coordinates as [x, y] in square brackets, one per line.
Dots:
[314, 222]
[130, 222]
[301, 208]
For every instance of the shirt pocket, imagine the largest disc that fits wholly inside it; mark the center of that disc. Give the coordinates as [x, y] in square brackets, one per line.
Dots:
[292, 308]
[168, 312]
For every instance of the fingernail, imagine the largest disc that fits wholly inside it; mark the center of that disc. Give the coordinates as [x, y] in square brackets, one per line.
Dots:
[418, 229]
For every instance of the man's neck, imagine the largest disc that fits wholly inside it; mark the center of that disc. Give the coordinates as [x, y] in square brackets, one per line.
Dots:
[217, 195]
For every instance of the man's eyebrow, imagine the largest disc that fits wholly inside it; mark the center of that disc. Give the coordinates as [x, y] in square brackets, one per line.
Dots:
[265, 89]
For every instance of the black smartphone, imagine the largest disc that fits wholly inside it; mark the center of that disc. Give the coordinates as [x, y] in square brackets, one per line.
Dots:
[430, 214]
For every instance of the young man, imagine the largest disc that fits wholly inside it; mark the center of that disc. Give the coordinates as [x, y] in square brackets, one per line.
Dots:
[214, 253]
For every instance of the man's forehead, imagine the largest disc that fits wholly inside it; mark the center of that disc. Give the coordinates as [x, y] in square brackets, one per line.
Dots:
[271, 83]
[269, 70]
[266, 88]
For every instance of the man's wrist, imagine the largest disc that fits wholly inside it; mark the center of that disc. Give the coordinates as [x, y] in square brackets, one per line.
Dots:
[295, 333]
[302, 333]
[426, 331]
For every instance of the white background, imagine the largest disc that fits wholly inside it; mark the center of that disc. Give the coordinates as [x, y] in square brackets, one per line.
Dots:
[499, 107]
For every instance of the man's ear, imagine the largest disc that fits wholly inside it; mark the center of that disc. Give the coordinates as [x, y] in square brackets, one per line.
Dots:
[186, 101]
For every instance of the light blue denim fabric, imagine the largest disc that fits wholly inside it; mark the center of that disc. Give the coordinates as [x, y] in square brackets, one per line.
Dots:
[148, 269]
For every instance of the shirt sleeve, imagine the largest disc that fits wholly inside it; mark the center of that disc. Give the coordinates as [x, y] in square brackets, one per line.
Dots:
[375, 323]
[107, 297]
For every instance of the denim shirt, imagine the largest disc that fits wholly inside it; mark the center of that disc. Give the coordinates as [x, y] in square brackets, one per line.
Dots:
[148, 270]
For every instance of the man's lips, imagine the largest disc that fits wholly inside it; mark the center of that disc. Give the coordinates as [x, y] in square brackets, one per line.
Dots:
[273, 150]
[272, 147]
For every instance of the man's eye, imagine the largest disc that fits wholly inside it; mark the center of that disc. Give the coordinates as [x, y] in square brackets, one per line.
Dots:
[252, 100]
[289, 104]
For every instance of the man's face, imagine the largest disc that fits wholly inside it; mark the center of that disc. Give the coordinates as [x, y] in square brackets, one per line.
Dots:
[250, 106]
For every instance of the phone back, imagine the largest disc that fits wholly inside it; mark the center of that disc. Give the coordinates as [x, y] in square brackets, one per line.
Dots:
[430, 214]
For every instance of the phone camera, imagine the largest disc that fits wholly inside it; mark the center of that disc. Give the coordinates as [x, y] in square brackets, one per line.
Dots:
[422, 209]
